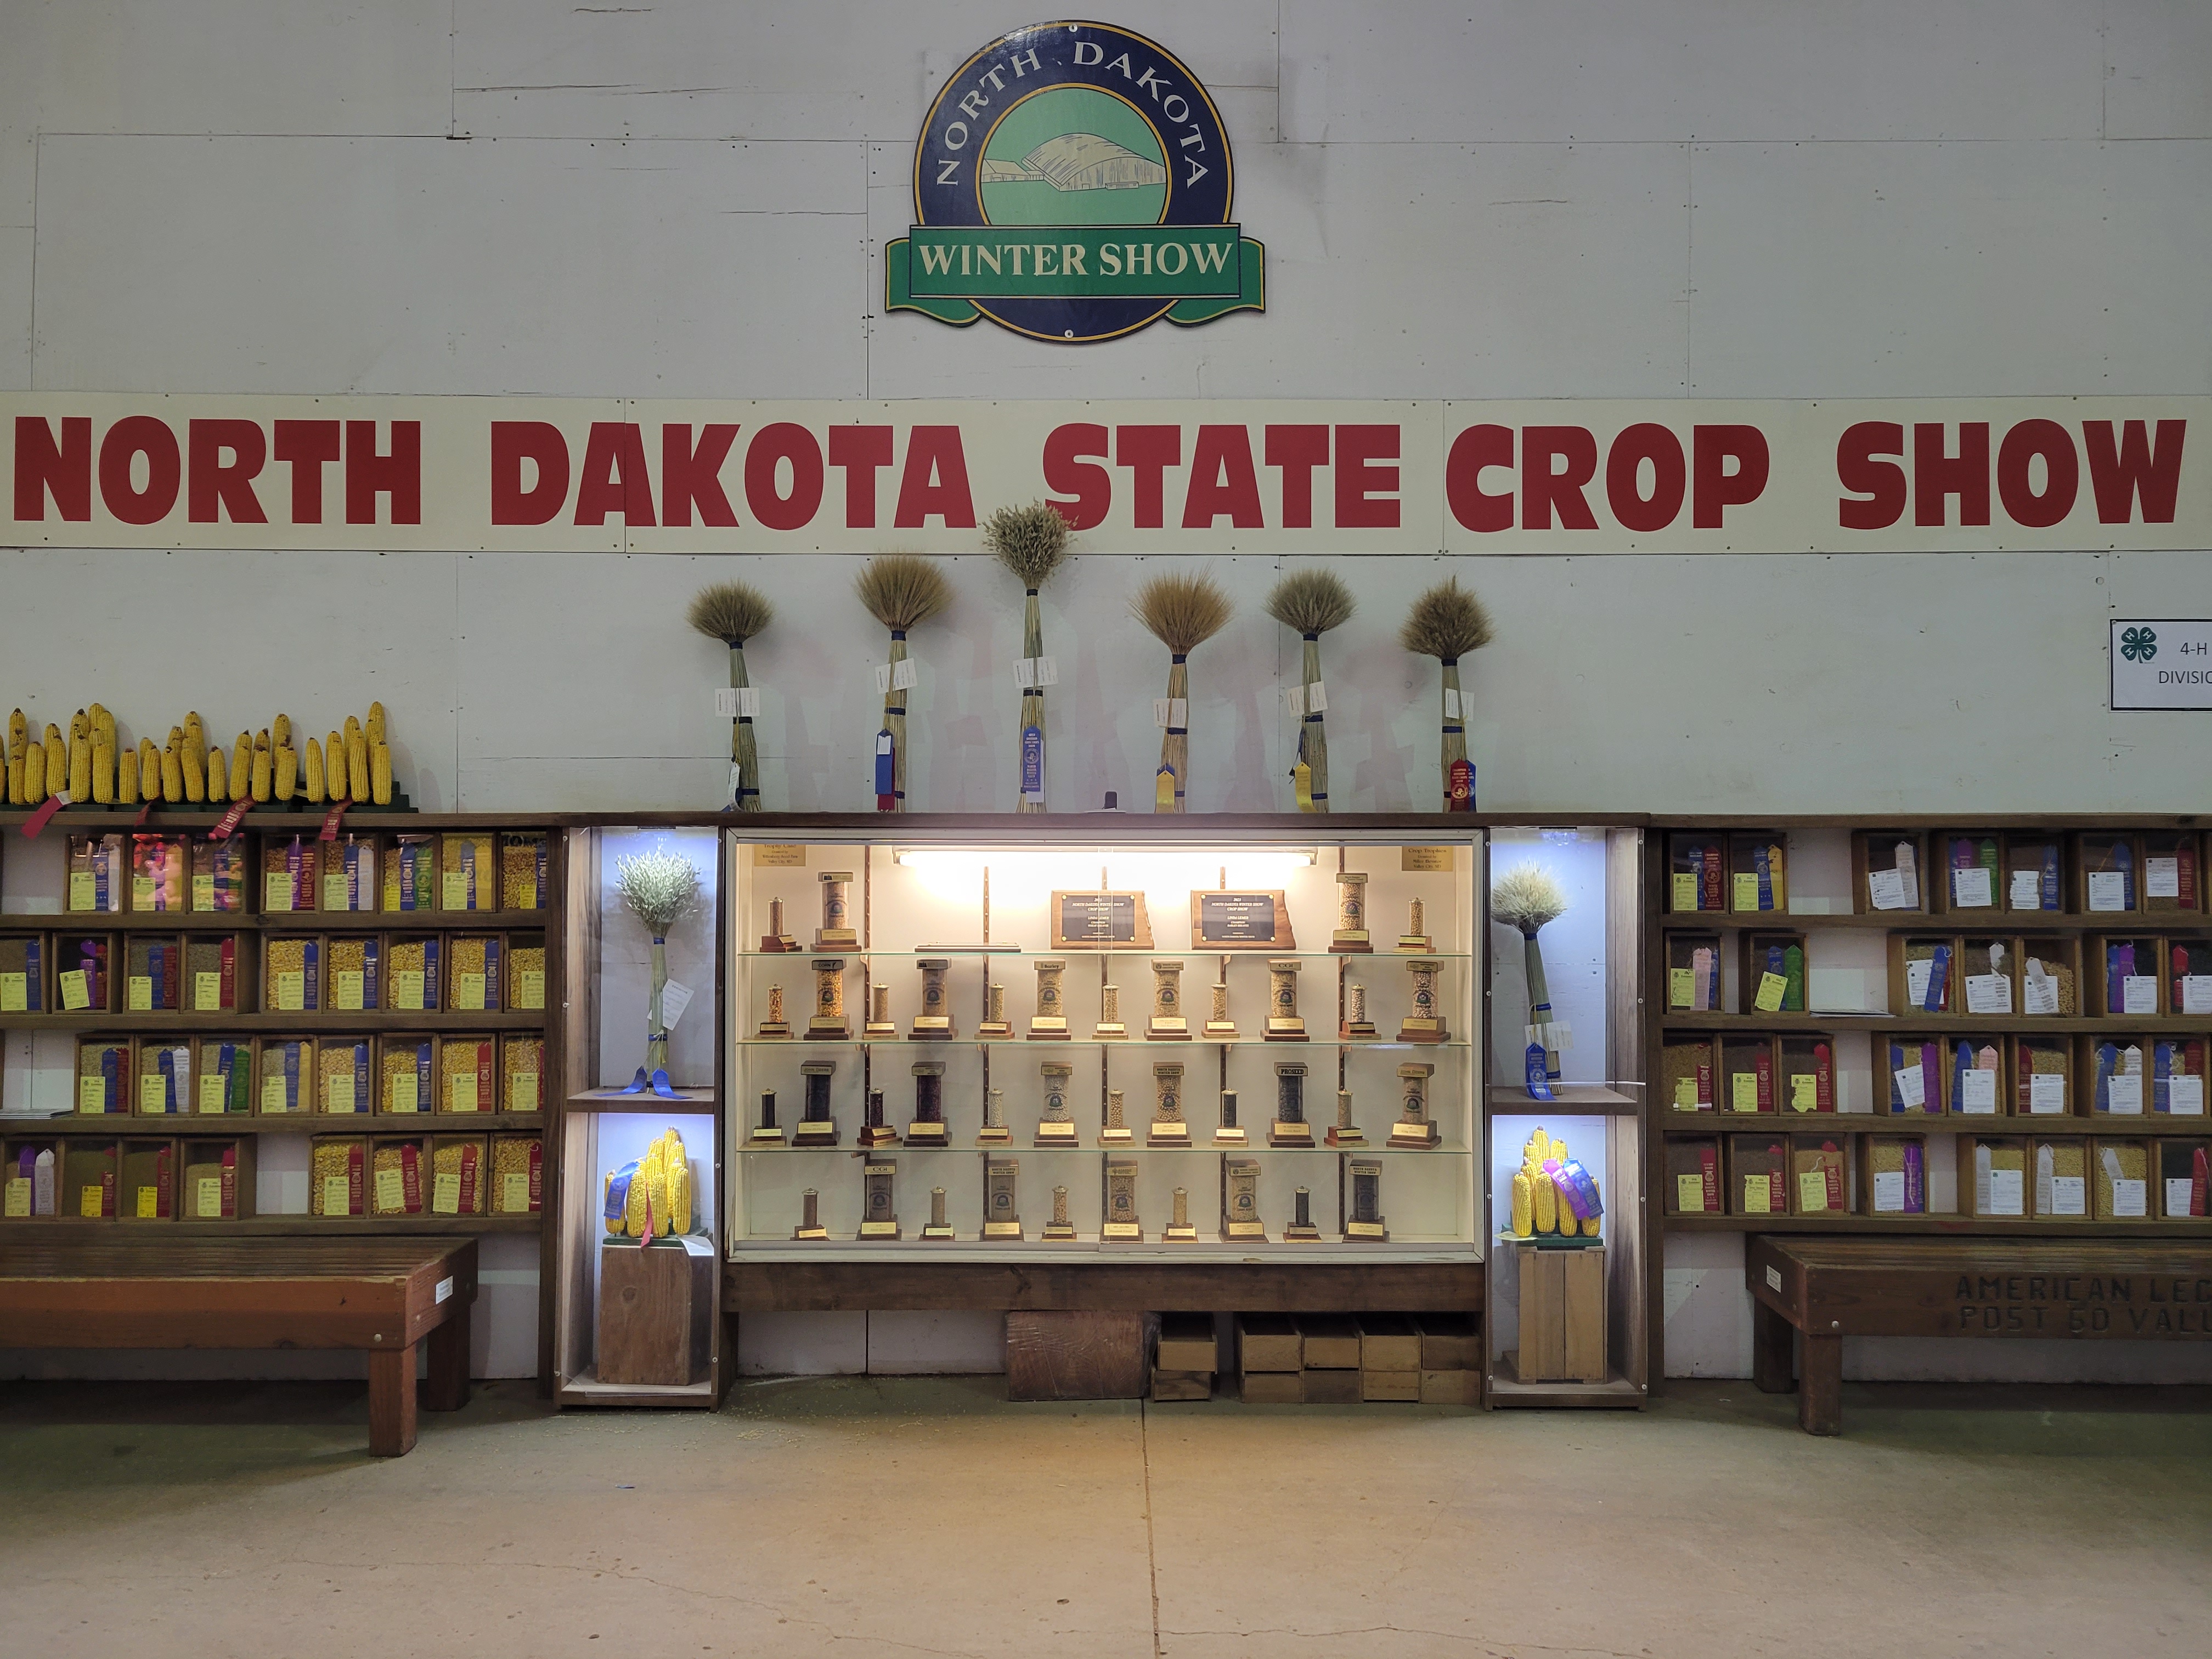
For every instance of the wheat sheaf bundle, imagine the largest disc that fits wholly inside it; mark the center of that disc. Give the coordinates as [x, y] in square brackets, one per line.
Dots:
[1181, 612]
[1527, 897]
[1311, 602]
[902, 591]
[1446, 623]
[1030, 541]
[731, 612]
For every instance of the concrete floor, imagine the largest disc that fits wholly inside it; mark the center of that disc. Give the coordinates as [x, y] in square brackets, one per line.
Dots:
[861, 1516]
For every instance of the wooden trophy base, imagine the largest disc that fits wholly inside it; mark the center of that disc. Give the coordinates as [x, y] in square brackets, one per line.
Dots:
[1105, 1032]
[919, 1133]
[1235, 1136]
[1422, 1137]
[1117, 1137]
[930, 1230]
[1359, 1032]
[1350, 942]
[1337, 1137]
[1286, 1030]
[987, 1137]
[1186, 1234]
[765, 1138]
[879, 1031]
[1048, 1030]
[883, 1230]
[1422, 1030]
[1168, 1030]
[772, 1028]
[928, 1027]
[815, 1134]
[1295, 1234]
[801, 1234]
[1122, 1232]
[992, 1030]
[1417, 944]
[834, 1030]
[1058, 1134]
[1243, 1232]
[1011, 1232]
[776, 945]
[1289, 1135]
[837, 938]
[1220, 1030]
[1168, 1135]
[1058, 1234]
[877, 1135]
[1365, 1233]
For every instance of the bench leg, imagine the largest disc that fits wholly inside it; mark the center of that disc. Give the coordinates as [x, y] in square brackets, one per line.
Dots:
[1820, 1391]
[392, 1401]
[1771, 1354]
[446, 1386]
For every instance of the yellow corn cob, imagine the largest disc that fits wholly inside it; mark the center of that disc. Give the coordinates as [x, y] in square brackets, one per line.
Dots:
[263, 764]
[80, 769]
[634, 1214]
[172, 776]
[218, 778]
[379, 774]
[374, 728]
[315, 772]
[19, 732]
[656, 1189]
[1590, 1227]
[80, 725]
[679, 1193]
[191, 760]
[126, 778]
[1524, 1205]
[357, 778]
[334, 768]
[242, 767]
[1544, 1205]
[196, 728]
[280, 731]
[103, 772]
[35, 774]
[102, 720]
[288, 771]
[57, 759]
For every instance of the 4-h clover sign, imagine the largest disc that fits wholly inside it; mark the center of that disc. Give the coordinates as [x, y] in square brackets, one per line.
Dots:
[2165, 663]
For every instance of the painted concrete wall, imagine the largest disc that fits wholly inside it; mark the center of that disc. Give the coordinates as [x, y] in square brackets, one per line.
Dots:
[1601, 197]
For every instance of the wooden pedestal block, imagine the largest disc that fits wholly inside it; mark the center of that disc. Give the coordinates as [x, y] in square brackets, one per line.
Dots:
[1329, 1387]
[1077, 1356]
[1562, 1315]
[1182, 1385]
[655, 1303]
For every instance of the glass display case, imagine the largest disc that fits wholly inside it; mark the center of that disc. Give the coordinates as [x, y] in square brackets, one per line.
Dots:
[1162, 1038]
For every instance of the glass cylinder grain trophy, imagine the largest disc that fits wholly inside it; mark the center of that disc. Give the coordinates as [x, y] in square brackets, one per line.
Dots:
[927, 1128]
[810, 1227]
[1168, 1023]
[1060, 1230]
[879, 1205]
[1219, 1028]
[995, 1025]
[1002, 1218]
[937, 1226]
[880, 1026]
[1302, 1230]
[1363, 1223]
[774, 1025]
[1121, 1225]
[775, 941]
[1356, 1027]
[765, 1132]
[816, 1126]
[1240, 1201]
[1116, 1131]
[829, 1024]
[1284, 1024]
[1180, 1230]
[1229, 1132]
[1110, 1028]
[1290, 1127]
[874, 1132]
[995, 1132]
[1415, 938]
[836, 931]
[934, 1022]
[1050, 1023]
[1350, 938]
[1343, 1131]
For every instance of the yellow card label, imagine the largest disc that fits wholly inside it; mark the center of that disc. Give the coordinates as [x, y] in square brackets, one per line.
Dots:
[446, 1194]
[140, 993]
[780, 858]
[92, 1094]
[141, 892]
[337, 1195]
[207, 992]
[469, 992]
[1685, 1094]
[1770, 987]
[84, 893]
[1747, 892]
[276, 890]
[14, 993]
[203, 892]
[1758, 1195]
[391, 1192]
[1804, 1093]
[1685, 891]
[347, 985]
[407, 988]
[153, 1092]
[336, 892]
[207, 1198]
[515, 1194]
[291, 992]
[18, 1201]
[457, 890]
[214, 1091]
[273, 1097]
[405, 1096]
[89, 1200]
[1743, 1092]
[1690, 1193]
[522, 1088]
[1812, 1189]
[76, 991]
[525, 893]
[530, 989]
[149, 1203]
[1681, 986]
[337, 1093]
[461, 1092]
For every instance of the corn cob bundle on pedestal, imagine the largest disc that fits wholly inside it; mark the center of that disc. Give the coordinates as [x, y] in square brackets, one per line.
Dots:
[651, 1197]
[1553, 1196]
[735, 612]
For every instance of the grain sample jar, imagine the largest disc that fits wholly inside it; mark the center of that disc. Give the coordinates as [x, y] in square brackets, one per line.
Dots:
[148, 1180]
[522, 1069]
[1989, 975]
[2110, 880]
[1924, 976]
[473, 979]
[342, 1071]
[211, 973]
[338, 1175]
[90, 1173]
[412, 976]
[1809, 1073]
[1687, 1068]
[218, 1180]
[1693, 1176]
[1894, 1175]
[96, 875]
[517, 1175]
[1759, 1175]
[2035, 873]
[153, 973]
[1697, 874]
[288, 875]
[1693, 973]
[467, 872]
[1747, 1073]
[219, 873]
[526, 972]
[465, 1075]
[223, 1069]
[2120, 1180]
[348, 873]
[23, 974]
[2050, 976]
[1820, 1177]
[292, 974]
[407, 1070]
[1888, 865]
[103, 1075]
[2124, 977]
[1976, 1078]
[2173, 872]
[288, 1076]
[1973, 864]
[1914, 1078]
[82, 982]
[410, 873]
[2115, 1075]
[161, 872]
[2061, 1185]
[397, 1186]
[458, 1177]
[1993, 1177]
[355, 960]
[2041, 1066]
[1770, 972]
[2186, 972]
[522, 871]
[2177, 1073]
[1757, 863]
[2184, 1186]
[163, 1084]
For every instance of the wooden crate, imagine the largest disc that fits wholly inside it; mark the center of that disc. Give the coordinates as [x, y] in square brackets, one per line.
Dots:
[1562, 1315]
[656, 1306]
[1187, 1345]
[1329, 1342]
[1077, 1356]
[1267, 1342]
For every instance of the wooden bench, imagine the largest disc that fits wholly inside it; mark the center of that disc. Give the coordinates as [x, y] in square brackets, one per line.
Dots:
[1825, 1289]
[383, 1295]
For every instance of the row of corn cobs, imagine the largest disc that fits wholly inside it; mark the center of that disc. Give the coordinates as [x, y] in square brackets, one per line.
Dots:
[651, 1197]
[354, 764]
[1553, 1194]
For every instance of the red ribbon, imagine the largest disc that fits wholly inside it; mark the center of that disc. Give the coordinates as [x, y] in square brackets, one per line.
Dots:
[330, 821]
[39, 820]
[228, 823]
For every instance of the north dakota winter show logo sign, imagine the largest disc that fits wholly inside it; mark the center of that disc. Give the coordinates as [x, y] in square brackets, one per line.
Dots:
[1074, 183]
